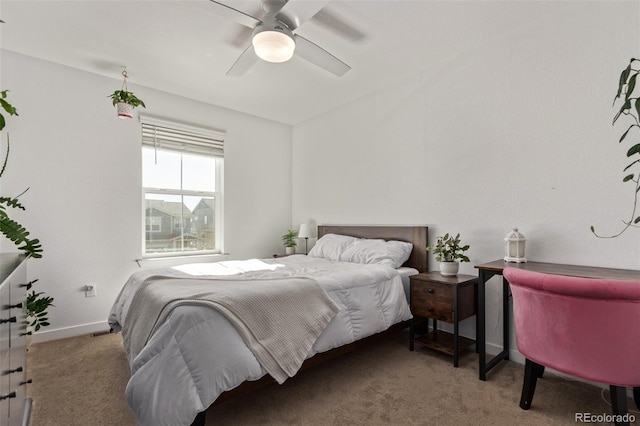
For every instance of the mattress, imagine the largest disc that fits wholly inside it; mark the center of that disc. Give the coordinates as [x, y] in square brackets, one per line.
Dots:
[197, 354]
[405, 273]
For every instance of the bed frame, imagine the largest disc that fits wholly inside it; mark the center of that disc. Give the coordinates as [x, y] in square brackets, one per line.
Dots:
[416, 235]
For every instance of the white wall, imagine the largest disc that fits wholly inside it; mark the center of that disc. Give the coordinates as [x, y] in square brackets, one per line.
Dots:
[83, 167]
[512, 131]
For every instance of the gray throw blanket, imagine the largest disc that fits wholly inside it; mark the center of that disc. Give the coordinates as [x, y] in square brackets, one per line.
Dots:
[279, 319]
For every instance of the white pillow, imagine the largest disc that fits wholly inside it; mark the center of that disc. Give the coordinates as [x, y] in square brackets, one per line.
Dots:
[331, 246]
[381, 252]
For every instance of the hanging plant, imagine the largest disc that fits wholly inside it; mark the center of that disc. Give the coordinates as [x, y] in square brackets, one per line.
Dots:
[630, 108]
[125, 101]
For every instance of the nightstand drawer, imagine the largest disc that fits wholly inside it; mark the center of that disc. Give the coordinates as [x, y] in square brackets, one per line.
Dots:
[432, 300]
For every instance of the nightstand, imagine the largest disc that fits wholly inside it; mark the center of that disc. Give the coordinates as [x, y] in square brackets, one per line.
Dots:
[440, 298]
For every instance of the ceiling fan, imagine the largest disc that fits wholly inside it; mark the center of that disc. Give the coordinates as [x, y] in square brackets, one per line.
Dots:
[274, 38]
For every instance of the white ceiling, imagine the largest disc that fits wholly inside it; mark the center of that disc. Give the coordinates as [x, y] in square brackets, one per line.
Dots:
[185, 47]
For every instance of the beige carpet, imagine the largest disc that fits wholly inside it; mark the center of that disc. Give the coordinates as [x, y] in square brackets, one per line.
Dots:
[81, 381]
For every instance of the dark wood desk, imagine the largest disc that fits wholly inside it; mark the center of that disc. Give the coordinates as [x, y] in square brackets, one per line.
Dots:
[488, 270]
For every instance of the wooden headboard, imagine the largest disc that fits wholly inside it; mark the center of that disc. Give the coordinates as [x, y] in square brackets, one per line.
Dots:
[416, 235]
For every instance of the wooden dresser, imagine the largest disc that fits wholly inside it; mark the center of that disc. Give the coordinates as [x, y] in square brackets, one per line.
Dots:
[15, 406]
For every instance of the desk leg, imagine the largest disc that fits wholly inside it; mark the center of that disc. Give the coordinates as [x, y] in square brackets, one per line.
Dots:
[505, 317]
[455, 327]
[483, 276]
[483, 365]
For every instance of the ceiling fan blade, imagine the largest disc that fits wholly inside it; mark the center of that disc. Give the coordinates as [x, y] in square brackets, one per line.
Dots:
[339, 25]
[235, 14]
[243, 63]
[320, 57]
[238, 37]
[295, 13]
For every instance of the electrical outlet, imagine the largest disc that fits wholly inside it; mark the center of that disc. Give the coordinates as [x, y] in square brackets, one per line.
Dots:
[90, 290]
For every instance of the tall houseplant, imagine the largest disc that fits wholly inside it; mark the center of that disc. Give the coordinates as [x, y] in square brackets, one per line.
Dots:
[449, 251]
[10, 228]
[630, 108]
[37, 303]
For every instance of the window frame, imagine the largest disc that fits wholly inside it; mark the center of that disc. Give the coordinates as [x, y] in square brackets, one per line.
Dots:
[217, 195]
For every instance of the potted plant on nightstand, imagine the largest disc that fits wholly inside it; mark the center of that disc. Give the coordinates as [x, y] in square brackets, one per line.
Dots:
[289, 241]
[449, 251]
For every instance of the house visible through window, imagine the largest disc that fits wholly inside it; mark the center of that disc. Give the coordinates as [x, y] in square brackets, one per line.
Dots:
[154, 223]
[182, 187]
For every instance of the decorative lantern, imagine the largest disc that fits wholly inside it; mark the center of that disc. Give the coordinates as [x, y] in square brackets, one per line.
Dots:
[514, 247]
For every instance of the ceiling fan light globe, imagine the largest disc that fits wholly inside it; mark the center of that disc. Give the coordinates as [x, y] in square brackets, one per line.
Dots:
[273, 46]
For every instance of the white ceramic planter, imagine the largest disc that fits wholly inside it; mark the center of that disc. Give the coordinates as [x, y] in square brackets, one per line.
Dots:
[124, 110]
[449, 269]
[290, 250]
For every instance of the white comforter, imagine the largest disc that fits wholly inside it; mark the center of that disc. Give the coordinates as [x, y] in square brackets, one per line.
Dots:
[197, 354]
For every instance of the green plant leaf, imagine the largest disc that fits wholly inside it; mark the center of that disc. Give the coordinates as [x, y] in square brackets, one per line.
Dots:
[633, 150]
[631, 85]
[10, 109]
[627, 168]
[36, 307]
[623, 79]
[624, 135]
[19, 235]
[6, 157]
[625, 107]
[11, 202]
[627, 178]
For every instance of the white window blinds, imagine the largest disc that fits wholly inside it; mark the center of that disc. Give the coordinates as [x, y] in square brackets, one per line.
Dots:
[183, 138]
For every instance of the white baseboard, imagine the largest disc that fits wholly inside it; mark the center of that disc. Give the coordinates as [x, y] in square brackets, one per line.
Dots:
[63, 333]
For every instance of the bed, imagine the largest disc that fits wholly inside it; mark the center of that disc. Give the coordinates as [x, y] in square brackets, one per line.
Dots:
[188, 352]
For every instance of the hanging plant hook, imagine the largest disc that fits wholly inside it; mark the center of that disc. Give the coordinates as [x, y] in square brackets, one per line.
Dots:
[124, 78]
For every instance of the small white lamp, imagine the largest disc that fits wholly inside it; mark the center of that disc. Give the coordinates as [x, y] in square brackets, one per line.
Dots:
[514, 247]
[304, 233]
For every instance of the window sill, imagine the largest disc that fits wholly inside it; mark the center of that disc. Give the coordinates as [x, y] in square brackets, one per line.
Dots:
[160, 261]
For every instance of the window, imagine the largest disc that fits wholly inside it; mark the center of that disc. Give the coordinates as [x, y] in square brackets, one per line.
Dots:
[182, 188]
[154, 223]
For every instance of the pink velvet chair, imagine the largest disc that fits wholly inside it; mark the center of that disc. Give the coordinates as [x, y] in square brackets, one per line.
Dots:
[588, 328]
